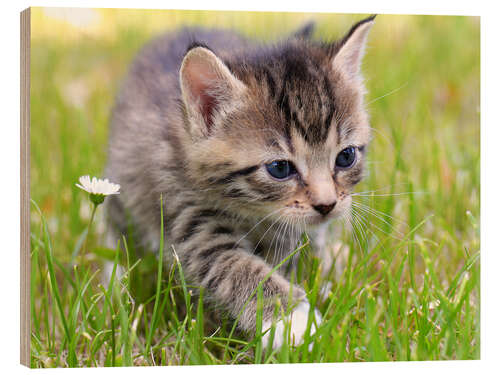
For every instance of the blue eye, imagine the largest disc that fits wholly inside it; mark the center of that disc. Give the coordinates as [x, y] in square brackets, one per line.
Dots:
[281, 169]
[346, 157]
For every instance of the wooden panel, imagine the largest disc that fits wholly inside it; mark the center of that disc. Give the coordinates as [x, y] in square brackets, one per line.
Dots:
[25, 187]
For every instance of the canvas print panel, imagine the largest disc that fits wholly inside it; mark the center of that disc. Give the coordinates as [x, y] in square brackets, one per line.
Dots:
[251, 187]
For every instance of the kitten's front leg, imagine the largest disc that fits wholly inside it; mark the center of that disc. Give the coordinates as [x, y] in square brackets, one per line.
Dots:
[331, 251]
[333, 254]
[214, 256]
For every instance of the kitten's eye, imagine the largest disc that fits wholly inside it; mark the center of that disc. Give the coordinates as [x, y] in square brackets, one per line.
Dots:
[346, 157]
[281, 169]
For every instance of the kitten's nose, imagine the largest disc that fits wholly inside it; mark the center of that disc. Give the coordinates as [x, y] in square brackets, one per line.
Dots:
[324, 209]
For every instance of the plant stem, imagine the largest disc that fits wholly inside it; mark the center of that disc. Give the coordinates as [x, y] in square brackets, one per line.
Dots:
[84, 247]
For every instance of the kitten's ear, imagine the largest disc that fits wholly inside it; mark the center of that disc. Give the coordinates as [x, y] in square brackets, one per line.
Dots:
[351, 48]
[208, 88]
[306, 31]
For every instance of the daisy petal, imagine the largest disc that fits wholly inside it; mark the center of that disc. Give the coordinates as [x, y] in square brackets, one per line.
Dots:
[98, 186]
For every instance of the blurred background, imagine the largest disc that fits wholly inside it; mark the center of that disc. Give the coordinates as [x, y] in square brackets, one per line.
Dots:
[422, 76]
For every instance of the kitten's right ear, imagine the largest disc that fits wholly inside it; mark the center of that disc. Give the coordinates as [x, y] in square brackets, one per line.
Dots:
[208, 89]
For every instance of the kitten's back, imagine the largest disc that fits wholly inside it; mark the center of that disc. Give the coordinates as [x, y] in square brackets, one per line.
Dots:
[145, 154]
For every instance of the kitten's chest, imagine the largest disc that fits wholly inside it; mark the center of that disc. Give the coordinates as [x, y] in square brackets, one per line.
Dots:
[274, 241]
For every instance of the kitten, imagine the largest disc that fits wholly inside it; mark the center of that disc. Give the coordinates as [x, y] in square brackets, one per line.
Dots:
[249, 145]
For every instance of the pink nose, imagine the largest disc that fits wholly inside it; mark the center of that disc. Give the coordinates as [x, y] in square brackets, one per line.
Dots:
[324, 209]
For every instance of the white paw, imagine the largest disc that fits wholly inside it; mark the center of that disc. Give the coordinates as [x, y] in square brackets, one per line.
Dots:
[297, 321]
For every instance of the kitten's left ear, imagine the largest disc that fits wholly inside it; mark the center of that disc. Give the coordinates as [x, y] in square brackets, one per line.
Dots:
[306, 31]
[352, 47]
[208, 89]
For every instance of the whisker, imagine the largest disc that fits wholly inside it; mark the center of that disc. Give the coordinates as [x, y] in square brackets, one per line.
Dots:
[281, 238]
[384, 136]
[389, 194]
[353, 231]
[382, 188]
[365, 222]
[387, 233]
[376, 214]
[276, 233]
[260, 221]
[268, 229]
[374, 210]
[276, 237]
[361, 225]
[285, 231]
[389, 93]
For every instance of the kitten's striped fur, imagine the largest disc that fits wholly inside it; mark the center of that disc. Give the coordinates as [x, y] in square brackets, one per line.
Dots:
[199, 116]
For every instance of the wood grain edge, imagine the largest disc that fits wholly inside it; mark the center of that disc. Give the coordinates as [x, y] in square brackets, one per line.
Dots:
[25, 189]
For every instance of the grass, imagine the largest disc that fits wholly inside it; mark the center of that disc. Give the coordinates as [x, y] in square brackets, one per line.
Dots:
[410, 287]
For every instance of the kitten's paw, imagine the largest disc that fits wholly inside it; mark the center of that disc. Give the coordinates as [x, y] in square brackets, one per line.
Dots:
[297, 321]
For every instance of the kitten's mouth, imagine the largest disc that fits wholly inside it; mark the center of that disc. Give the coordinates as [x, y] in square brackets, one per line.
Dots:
[311, 217]
[319, 219]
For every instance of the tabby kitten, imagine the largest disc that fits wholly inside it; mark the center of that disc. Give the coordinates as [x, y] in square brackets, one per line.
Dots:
[249, 146]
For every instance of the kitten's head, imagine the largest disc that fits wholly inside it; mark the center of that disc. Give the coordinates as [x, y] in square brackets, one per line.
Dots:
[281, 130]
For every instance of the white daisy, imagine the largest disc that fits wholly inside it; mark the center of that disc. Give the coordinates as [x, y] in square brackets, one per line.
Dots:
[97, 188]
